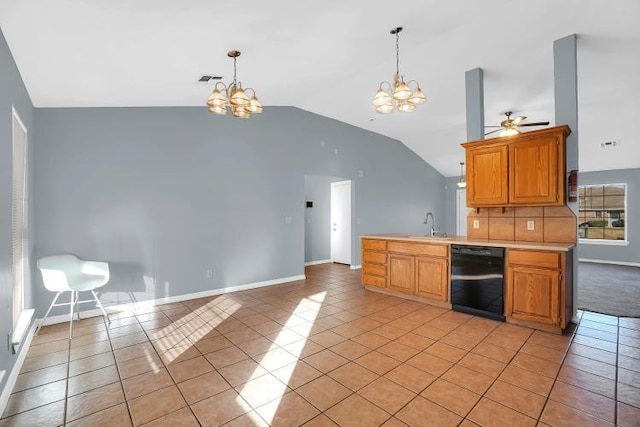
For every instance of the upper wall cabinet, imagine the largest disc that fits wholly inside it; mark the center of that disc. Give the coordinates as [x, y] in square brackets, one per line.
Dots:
[521, 170]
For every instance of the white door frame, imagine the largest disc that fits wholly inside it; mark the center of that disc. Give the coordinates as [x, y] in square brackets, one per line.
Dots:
[347, 225]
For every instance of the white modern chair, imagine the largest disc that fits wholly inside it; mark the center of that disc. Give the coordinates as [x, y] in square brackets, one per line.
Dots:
[67, 273]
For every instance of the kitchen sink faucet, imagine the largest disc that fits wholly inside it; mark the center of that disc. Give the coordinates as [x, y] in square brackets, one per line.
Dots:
[432, 230]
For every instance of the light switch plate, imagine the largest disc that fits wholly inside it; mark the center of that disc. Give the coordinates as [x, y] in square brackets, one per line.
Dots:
[531, 225]
[476, 223]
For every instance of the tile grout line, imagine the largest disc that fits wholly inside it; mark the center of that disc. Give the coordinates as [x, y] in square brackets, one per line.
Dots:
[168, 372]
[118, 370]
[66, 387]
[555, 379]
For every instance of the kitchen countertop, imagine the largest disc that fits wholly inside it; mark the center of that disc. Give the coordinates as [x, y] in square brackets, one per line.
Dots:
[461, 240]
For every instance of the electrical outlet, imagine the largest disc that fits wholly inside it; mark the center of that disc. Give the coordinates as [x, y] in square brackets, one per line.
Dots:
[476, 223]
[287, 220]
[209, 273]
[531, 225]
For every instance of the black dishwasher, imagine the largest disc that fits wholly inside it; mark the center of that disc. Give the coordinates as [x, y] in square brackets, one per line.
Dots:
[477, 280]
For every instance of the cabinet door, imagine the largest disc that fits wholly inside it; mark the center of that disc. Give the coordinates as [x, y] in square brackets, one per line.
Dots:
[402, 273]
[533, 170]
[487, 176]
[533, 294]
[432, 278]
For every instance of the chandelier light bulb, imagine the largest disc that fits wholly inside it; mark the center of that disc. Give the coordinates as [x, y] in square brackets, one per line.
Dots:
[406, 107]
[384, 109]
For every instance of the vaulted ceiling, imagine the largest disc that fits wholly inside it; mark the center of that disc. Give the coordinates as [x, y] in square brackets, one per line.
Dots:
[329, 57]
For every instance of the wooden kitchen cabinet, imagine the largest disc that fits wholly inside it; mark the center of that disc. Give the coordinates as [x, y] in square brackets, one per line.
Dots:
[432, 278]
[374, 262]
[402, 271]
[538, 292]
[521, 170]
[534, 294]
[487, 175]
[535, 175]
[419, 269]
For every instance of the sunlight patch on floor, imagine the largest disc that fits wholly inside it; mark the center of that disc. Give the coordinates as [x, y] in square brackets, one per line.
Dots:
[308, 307]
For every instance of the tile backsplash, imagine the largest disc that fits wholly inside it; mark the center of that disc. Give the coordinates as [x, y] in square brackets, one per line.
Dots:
[556, 224]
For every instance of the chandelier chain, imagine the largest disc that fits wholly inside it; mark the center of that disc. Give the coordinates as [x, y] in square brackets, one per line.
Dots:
[398, 52]
[235, 59]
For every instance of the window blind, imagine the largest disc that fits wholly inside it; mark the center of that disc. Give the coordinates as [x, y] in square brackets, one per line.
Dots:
[17, 215]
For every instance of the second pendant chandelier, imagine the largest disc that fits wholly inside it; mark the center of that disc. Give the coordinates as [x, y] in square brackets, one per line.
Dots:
[398, 94]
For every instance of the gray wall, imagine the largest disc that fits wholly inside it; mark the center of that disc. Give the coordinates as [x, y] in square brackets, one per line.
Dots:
[317, 220]
[12, 92]
[630, 253]
[164, 194]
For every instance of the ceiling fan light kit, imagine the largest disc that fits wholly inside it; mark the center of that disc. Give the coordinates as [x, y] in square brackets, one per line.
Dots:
[509, 127]
[398, 95]
[233, 97]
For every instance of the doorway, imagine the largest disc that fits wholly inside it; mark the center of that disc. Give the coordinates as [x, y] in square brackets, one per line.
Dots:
[341, 222]
[461, 212]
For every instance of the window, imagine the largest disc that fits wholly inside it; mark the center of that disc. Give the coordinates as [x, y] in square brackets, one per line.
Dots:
[602, 212]
[18, 214]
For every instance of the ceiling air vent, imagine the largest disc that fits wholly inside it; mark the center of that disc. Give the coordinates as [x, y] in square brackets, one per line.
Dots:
[206, 77]
[608, 145]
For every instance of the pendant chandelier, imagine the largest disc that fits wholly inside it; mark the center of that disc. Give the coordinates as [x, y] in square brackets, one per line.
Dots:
[399, 94]
[233, 96]
[462, 183]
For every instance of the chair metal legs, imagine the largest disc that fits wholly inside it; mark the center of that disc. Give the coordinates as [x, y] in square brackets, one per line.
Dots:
[101, 307]
[53, 304]
[74, 301]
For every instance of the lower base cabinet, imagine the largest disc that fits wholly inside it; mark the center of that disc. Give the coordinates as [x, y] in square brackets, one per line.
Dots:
[539, 289]
[432, 278]
[535, 295]
[402, 273]
[425, 276]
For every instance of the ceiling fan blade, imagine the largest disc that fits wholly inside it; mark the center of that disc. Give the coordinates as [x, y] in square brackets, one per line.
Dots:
[518, 119]
[535, 124]
[493, 131]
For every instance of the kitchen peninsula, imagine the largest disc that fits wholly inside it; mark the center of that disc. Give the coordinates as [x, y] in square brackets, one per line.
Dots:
[538, 288]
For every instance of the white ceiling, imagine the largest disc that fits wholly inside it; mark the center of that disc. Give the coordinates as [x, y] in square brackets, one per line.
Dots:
[328, 57]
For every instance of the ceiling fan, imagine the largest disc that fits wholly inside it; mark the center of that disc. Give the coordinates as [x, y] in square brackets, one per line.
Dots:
[510, 126]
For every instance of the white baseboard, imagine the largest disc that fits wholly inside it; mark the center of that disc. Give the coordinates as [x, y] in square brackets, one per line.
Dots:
[356, 267]
[322, 261]
[132, 307]
[15, 371]
[603, 261]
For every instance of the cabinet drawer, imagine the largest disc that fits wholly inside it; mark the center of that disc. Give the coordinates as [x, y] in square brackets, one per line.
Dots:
[374, 280]
[534, 258]
[374, 269]
[375, 245]
[374, 257]
[410, 248]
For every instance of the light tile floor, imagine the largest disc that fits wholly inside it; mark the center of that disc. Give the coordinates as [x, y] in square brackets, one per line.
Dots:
[323, 352]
